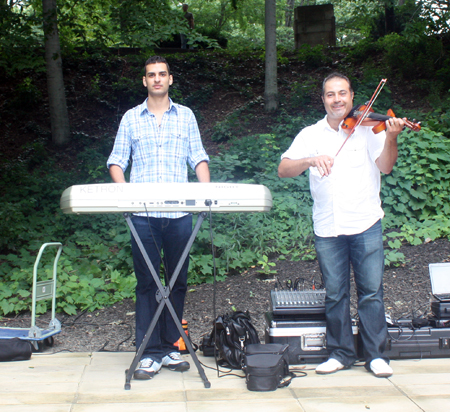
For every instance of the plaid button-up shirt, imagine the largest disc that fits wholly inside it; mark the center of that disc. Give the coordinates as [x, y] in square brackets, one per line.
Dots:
[159, 154]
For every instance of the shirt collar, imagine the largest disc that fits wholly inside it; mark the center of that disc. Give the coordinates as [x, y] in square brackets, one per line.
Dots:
[143, 107]
[326, 125]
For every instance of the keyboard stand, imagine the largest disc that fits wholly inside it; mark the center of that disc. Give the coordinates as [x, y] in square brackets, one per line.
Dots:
[162, 297]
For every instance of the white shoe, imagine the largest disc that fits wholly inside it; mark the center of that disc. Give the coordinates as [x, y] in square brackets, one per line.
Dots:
[380, 368]
[330, 366]
[175, 363]
[147, 369]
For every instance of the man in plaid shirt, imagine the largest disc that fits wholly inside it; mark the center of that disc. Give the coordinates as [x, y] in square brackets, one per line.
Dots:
[161, 137]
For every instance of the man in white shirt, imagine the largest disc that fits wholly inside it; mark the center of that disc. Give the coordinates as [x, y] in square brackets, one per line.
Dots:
[345, 186]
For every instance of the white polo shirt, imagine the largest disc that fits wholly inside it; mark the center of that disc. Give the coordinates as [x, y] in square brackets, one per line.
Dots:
[347, 202]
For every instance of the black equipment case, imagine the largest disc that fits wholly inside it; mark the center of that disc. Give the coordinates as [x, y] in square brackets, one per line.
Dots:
[441, 310]
[424, 342]
[306, 338]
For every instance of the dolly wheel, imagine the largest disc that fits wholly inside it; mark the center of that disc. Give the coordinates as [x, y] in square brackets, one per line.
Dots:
[49, 341]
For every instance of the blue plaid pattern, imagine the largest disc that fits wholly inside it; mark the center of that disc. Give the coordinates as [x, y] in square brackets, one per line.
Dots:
[159, 154]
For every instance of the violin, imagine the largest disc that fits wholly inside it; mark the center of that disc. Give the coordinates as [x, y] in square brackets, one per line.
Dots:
[365, 114]
[377, 120]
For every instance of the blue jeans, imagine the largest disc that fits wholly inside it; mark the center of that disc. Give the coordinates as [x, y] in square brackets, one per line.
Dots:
[171, 236]
[364, 251]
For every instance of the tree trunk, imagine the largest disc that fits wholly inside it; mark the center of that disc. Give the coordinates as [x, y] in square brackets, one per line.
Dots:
[271, 88]
[289, 12]
[389, 18]
[59, 116]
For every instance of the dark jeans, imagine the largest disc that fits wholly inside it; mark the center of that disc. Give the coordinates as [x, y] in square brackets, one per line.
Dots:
[364, 252]
[170, 235]
[183, 41]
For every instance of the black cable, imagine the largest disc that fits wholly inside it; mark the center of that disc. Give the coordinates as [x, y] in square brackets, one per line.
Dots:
[130, 335]
[279, 283]
[211, 235]
[154, 241]
[102, 349]
[225, 373]
[73, 322]
[302, 374]
[297, 283]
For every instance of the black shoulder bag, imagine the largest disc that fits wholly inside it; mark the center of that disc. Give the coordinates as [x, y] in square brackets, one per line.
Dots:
[233, 333]
[266, 367]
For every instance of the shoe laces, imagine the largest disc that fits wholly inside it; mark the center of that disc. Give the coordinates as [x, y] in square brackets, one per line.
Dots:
[146, 363]
[174, 356]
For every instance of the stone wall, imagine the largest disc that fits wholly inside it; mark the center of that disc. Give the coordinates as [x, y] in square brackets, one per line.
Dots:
[314, 25]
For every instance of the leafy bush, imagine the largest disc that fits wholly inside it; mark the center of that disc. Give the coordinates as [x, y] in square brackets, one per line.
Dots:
[416, 193]
[313, 57]
[285, 38]
[416, 59]
[96, 266]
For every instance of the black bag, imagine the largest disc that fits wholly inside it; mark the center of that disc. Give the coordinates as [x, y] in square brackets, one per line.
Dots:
[234, 333]
[15, 349]
[207, 344]
[266, 367]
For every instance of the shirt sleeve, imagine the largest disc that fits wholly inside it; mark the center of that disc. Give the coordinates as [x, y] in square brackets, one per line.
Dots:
[375, 143]
[120, 154]
[197, 152]
[298, 148]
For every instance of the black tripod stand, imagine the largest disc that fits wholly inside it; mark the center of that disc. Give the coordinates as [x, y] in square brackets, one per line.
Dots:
[162, 297]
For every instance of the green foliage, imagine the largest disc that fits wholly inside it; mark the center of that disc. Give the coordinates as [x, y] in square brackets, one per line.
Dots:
[392, 257]
[89, 25]
[419, 186]
[417, 58]
[413, 52]
[266, 266]
[364, 90]
[235, 123]
[96, 268]
[416, 193]
[357, 20]
[19, 40]
[313, 57]
[302, 92]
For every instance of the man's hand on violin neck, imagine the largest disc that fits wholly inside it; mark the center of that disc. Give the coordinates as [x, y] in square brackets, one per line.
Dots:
[323, 163]
[394, 126]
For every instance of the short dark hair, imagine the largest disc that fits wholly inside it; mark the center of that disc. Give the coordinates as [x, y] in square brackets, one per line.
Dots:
[335, 75]
[156, 59]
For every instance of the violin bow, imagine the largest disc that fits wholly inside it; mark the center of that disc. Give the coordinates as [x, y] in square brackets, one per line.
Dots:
[365, 112]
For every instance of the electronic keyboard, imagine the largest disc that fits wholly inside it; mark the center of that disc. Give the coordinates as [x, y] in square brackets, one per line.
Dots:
[166, 197]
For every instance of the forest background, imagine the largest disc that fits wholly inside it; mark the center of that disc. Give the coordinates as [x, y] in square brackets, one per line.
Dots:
[103, 45]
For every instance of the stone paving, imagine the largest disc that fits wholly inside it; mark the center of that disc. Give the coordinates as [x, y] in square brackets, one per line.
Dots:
[94, 382]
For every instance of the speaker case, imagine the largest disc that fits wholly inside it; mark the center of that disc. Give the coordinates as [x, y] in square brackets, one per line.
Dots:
[425, 342]
[306, 338]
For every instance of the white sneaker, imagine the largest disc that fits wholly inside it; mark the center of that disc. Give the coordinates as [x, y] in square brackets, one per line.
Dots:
[330, 366]
[380, 368]
[147, 369]
[175, 362]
